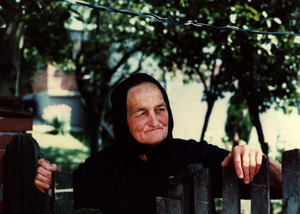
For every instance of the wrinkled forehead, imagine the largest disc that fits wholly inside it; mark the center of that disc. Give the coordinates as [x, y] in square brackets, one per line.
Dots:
[119, 94]
[139, 95]
[142, 87]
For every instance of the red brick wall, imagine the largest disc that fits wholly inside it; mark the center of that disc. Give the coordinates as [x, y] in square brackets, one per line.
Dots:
[51, 79]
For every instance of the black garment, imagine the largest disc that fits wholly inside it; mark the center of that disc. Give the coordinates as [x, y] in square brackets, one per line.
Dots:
[117, 181]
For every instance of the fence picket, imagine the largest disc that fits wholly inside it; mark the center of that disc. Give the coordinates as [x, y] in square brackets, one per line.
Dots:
[231, 191]
[62, 187]
[260, 190]
[19, 168]
[169, 206]
[291, 181]
[202, 192]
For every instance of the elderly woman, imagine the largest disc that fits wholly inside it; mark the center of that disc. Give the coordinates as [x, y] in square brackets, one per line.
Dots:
[126, 177]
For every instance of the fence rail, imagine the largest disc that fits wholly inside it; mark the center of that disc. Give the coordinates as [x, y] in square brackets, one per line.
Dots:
[190, 192]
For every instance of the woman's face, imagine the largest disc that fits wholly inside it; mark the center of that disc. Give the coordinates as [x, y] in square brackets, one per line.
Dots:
[147, 114]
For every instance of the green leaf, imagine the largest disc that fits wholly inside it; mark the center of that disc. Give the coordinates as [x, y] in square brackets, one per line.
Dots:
[255, 14]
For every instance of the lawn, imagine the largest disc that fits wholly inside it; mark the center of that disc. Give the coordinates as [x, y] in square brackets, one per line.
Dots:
[66, 150]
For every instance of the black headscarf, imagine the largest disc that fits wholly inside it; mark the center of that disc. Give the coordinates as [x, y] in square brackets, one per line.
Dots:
[121, 130]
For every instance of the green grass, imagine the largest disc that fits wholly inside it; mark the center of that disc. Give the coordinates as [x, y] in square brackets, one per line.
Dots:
[68, 150]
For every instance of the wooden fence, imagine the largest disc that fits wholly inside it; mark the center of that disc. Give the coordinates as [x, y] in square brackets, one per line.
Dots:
[193, 194]
[19, 168]
[189, 192]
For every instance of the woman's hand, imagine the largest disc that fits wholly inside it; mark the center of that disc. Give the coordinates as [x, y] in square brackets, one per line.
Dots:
[43, 177]
[247, 161]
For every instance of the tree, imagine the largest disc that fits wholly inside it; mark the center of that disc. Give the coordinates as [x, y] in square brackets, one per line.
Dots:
[194, 51]
[108, 42]
[266, 70]
[32, 34]
[260, 67]
[11, 34]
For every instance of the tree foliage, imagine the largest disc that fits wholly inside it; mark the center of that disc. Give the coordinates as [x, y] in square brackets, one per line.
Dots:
[32, 34]
[107, 43]
[260, 69]
[263, 69]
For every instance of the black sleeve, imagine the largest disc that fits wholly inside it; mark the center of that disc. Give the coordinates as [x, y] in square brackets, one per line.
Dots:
[191, 152]
[83, 179]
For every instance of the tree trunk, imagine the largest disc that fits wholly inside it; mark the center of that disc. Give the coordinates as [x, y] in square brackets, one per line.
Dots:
[93, 123]
[94, 118]
[10, 58]
[254, 114]
[210, 104]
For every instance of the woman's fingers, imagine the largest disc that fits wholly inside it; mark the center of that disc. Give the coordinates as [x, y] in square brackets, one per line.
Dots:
[55, 167]
[43, 178]
[247, 161]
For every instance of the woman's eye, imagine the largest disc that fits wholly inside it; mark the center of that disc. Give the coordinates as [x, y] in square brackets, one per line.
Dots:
[142, 113]
[161, 109]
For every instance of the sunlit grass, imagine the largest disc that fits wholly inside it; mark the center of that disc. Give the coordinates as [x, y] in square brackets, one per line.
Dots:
[66, 141]
[65, 150]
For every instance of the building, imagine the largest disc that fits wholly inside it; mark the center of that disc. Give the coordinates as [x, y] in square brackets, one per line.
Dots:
[55, 94]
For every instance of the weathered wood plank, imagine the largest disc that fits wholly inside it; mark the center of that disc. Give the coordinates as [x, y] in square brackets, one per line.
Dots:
[202, 192]
[231, 191]
[168, 206]
[62, 189]
[182, 187]
[260, 190]
[20, 164]
[291, 181]
[182, 191]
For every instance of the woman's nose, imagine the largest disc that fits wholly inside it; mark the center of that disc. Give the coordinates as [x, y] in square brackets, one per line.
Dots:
[153, 121]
